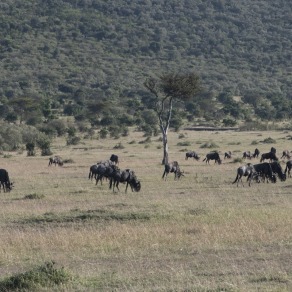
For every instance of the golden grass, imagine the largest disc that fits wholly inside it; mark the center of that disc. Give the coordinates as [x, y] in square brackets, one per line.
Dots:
[200, 233]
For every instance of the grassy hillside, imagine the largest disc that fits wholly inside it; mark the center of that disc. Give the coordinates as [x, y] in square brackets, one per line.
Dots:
[84, 51]
[200, 233]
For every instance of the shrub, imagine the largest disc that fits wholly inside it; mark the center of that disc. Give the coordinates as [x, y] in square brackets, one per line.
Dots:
[119, 146]
[209, 145]
[186, 143]
[237, 159]
[73, 140]
[269, 141]
[103, 133]
[30, 149]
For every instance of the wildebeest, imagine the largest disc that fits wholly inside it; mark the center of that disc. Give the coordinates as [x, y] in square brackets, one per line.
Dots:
[270, 155]
[256, 153]
[277, 169]
[245, 170]
[273, 150]
[286, 154]
[288, 167]
[114, 158]
[57, 160]
[212, 156]
[127, 176]
[265, 171]
[100, 170]
[246, 154]
[192, 154]
[227, 154]
[4, 181]
[172, 167]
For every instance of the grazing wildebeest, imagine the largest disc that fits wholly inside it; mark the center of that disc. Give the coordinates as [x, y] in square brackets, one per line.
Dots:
[288, 167]
[192, 154]
[105, 171]
[246, 154]
[256, 153]
[114, 158]
[245, 170]
[57, 160]
[264, 170]
[100, 170]
[4, 181]
[127, 176]
[270, 155]
[172, 167]
[213, 156]
[277, 169]
[286, 154]
[227, 154]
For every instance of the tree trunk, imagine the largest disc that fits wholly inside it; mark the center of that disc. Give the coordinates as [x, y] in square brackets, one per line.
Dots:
[165, 149]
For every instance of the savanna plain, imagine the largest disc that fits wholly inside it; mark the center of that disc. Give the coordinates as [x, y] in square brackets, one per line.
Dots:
[200, 233]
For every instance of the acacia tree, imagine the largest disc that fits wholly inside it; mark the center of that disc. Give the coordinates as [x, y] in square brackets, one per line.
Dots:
[166, 89]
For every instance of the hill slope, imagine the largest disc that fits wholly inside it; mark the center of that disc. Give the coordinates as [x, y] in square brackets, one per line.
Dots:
[95, 50]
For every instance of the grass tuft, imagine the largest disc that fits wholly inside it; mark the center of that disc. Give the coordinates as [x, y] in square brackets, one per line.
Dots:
[209, 145]
[46, 275]
[33, 196]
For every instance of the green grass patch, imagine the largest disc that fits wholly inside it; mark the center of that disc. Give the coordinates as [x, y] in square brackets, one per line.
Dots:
[209, 145]
[44, 276]
[33, 196]
[185, 143]
[77, 216]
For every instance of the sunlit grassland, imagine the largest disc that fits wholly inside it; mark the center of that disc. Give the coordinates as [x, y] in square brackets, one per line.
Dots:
[199, 233]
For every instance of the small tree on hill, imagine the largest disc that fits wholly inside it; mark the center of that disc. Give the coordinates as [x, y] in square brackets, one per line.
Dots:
[166, 89]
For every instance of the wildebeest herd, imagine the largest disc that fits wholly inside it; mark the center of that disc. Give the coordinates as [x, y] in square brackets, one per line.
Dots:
[108, 170]
[260, 172]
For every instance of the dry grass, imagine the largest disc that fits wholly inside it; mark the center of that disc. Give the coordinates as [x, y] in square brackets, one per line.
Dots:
[201, 233]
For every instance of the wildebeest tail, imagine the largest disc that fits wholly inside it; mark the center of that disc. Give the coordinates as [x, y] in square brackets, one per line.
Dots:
[205, 158]
[236, 179]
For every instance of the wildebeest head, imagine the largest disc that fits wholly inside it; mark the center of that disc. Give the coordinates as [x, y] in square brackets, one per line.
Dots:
[136, 185]
[9, 186]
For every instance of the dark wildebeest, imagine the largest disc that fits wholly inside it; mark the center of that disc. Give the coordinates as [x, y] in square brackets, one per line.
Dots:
[172, 167]
[114, 158]
[286, 154]
[264, 170]
[270, 155]
[192, 154]
[288, 167]
[273, 150]
[277, 169]
[57, 160]
[105, 171]
[213, 156]
[245, 170]
[256, 153]
[127, 176]
[246, 154]
[4, 181]
[227, 154]
[100, 170]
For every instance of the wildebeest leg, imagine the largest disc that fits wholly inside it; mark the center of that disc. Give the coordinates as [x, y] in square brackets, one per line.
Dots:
[165, 175]
[98, 178]
[116, 183]
[111, 183]
[127, 187]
